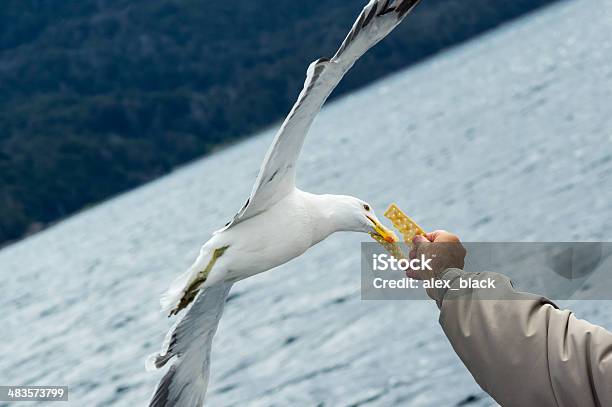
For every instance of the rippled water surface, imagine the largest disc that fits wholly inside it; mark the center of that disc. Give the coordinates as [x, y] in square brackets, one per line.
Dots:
[506, 138]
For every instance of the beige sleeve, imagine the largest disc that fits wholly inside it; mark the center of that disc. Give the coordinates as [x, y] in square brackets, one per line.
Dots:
[522, 349]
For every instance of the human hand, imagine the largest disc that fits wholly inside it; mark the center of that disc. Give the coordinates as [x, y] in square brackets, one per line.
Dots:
[443, 248]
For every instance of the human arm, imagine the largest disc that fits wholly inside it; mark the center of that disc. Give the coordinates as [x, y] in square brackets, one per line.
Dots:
[519, 347]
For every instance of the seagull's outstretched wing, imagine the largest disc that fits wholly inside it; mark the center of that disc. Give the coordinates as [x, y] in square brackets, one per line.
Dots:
[277, 174]
[188, 346]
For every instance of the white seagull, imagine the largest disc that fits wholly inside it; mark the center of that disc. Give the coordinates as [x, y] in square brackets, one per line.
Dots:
[276, 224]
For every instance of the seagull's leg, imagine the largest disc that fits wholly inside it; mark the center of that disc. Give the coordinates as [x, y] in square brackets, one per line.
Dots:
[193, 288]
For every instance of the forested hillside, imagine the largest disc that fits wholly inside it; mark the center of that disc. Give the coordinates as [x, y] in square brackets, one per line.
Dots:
[99, 96]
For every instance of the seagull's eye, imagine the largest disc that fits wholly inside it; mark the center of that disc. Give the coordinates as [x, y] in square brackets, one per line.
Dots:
[366, 207]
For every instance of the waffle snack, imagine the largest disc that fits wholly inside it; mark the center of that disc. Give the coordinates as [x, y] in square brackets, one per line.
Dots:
[402, 222]
[407, 227]
[393, 249]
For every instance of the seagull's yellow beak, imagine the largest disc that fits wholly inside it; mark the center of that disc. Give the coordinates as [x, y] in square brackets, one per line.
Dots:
[382, 231]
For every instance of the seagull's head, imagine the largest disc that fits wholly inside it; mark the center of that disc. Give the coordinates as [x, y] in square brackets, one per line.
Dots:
[354, 215]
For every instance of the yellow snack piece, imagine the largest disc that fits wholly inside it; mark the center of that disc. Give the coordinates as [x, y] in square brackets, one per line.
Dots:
[393, 249]
[402, 222]
[407, 227]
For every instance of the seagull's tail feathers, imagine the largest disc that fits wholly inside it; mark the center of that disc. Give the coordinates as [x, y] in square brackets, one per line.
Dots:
[188, 345]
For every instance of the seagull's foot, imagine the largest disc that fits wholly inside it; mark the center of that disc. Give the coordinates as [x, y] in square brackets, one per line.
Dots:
[192, 291]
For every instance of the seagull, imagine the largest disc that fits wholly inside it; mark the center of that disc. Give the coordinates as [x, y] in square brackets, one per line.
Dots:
[277, 223]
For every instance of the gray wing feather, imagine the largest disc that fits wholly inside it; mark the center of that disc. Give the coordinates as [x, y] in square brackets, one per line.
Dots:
[188, 346]
[276, 177]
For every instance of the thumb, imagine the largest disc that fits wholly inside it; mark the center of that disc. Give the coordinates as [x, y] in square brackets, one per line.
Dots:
[419, 239]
